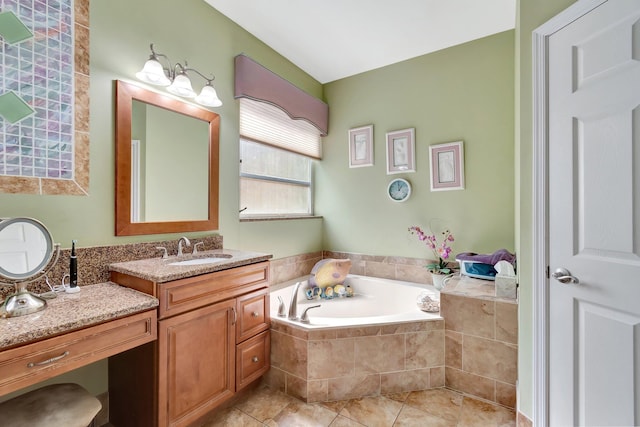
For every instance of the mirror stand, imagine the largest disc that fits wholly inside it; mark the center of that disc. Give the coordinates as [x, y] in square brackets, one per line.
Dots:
[23, 302]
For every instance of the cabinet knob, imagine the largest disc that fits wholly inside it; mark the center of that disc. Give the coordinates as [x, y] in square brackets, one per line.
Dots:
[255, 359]
[255, 314]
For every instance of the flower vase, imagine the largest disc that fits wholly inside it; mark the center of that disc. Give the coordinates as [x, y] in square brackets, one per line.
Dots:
[438, 280]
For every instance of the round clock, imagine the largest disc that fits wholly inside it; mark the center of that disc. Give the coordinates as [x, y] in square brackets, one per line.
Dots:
[399, 190]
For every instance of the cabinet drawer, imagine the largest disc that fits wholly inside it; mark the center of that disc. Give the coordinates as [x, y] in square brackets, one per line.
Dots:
[252, 359]
[32, 363]
[253, 314]
[183, 295]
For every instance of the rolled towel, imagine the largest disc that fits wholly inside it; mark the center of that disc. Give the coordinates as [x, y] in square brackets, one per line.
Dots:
[499, 255]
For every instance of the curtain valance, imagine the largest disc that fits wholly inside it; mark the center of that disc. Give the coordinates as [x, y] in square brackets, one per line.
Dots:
[255, 82]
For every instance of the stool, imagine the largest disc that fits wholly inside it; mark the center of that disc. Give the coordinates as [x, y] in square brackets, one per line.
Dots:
[56, 405]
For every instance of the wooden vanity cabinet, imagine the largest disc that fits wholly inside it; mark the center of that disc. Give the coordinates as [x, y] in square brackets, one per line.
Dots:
[213, 340]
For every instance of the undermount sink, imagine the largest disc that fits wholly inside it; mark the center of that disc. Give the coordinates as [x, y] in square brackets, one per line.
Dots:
[210, 259]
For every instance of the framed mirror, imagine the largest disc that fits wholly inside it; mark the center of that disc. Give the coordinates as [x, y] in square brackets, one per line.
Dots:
[167, 164]
[26, 247]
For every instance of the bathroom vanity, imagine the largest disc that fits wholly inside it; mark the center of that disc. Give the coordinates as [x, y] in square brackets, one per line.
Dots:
[213, 337]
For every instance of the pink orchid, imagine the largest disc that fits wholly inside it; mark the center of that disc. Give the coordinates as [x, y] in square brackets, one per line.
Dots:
[441, 251]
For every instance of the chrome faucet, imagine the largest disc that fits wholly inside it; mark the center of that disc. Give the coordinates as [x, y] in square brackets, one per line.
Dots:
[282, 312]
[305, 318]
[186, 243]
[293, 307]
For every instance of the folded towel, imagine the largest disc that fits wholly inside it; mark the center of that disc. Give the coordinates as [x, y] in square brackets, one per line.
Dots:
[499, 255]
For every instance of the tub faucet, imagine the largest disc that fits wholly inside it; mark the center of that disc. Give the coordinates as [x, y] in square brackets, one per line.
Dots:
[282, 311]
[305, 318]
[293, 307]
[186, 243]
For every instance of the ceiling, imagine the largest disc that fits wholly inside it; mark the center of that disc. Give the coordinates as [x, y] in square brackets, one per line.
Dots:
[333, 39]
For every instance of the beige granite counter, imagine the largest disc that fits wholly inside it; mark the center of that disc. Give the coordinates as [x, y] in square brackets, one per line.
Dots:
[92, 305]
[160, 270]
[474, 288]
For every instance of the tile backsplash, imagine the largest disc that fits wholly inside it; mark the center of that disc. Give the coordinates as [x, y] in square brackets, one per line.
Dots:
[387, 267]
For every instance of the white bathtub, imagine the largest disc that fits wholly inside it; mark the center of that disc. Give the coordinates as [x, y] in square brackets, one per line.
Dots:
[376, 301]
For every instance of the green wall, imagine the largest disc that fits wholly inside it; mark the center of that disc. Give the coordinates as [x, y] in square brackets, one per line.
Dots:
[531, 14]
[121, 31]
[461, 93]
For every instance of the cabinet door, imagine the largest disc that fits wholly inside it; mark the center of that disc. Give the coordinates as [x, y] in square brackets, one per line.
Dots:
[196, 363]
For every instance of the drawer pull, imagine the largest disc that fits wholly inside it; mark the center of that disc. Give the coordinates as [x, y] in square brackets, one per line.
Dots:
[235, 316]
[255, 314]
[255, 359]
[48, 361]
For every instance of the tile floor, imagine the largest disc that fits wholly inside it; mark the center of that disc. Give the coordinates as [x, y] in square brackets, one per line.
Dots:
[435, 407]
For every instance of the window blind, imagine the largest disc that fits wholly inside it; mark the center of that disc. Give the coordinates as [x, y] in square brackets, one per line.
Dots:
[263, 122]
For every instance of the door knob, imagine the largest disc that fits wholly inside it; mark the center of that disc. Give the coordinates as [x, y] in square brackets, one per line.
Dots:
[563, 275]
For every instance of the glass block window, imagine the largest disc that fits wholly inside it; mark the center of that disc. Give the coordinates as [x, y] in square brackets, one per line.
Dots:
[40, 70]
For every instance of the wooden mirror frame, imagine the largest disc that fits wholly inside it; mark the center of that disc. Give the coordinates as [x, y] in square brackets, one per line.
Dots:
[126, 93]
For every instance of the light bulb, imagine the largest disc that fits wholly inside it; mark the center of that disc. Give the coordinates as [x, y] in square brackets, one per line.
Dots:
[208, 97]
[181, 86]
[153, 73]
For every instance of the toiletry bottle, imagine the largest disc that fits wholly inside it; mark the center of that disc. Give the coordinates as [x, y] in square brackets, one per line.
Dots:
[73, 270]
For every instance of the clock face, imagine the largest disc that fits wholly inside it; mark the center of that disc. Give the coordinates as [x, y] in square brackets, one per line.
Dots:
[399, 190]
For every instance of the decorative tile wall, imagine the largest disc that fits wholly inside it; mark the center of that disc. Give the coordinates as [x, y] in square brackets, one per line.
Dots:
[353, 362]
[480, 341]
[481, 344]
[397, 268]
[47, 152]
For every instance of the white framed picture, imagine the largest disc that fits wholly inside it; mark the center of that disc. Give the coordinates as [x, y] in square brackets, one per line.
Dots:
[400, 151]
[361, 147]
[447, 166]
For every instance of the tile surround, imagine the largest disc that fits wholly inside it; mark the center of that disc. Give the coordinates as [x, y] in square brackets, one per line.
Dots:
[344, 363]
[387, 267]
[477, 354]
[481, 351]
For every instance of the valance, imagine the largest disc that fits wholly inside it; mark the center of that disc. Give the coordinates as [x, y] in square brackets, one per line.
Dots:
[255, 82]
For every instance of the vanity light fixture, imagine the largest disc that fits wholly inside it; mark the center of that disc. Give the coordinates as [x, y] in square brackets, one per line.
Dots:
[176, 77]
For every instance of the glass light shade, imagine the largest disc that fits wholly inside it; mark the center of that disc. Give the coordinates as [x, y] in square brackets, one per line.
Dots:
[208, 97]
[181, 86]
[153, 73]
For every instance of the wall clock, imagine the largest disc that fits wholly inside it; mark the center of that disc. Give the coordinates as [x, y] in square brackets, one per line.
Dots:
[399, 190]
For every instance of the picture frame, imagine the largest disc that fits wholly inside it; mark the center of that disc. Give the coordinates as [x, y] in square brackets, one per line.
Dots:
[400, 151]
[361, 147]
[447, 166]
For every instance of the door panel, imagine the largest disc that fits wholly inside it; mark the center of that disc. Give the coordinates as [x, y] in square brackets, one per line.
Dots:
[594, 217]
[605, 338]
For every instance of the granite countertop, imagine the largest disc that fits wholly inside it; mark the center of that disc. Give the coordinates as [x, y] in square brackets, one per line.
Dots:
[159, 270]
[92, 305]
[474, 288]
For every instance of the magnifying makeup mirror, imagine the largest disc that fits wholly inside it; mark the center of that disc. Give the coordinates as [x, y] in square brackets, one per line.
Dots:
[26, 250]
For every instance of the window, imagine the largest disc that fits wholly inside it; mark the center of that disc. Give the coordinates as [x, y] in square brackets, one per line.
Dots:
[274, 182]
[280, 130]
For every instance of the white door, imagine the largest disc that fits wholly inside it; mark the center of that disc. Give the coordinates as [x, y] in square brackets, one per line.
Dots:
[594, 218]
